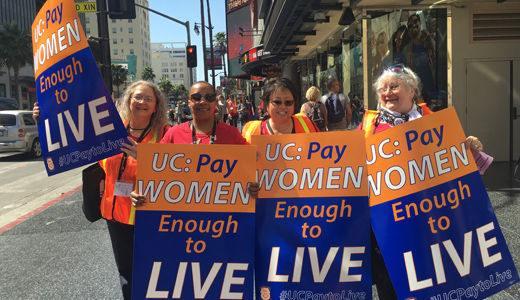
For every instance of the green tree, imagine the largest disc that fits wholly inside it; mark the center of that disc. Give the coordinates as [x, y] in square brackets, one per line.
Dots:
[220, 40]
[15, 52]
[166, 86]
[119, 75]
[148, 74]
[179, 91]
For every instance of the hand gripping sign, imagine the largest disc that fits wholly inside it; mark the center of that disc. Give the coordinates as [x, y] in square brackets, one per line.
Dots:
[78, 121]
[431, 214]
[194, 238]
[312, 217]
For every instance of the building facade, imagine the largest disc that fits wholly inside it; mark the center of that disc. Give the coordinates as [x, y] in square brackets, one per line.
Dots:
[469, 58]
[22, 13]
[169, 61]
[129, 39]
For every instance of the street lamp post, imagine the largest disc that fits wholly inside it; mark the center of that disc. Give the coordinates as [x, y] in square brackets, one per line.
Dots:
[203, 27]
[211, 45]
[186, 24]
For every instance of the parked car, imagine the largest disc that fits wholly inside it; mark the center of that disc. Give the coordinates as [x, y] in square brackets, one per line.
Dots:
[19, 133]
[8, 103]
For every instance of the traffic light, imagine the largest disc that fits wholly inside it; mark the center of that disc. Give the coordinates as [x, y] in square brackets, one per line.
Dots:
[191, 56]
[121, 9]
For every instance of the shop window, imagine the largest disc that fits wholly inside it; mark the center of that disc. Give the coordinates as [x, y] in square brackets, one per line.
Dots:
[416, 39]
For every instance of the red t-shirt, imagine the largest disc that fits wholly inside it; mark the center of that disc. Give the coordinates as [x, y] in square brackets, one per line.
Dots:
[182, 134]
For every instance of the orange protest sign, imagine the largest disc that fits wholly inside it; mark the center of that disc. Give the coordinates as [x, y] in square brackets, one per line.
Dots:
[390, 178]
[56, 33]
[324, 164]
[209, 178]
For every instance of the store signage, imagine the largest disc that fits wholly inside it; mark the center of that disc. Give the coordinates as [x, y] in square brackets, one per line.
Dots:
[234, 4]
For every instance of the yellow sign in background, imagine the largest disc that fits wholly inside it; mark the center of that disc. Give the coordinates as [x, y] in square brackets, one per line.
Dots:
[83, 7]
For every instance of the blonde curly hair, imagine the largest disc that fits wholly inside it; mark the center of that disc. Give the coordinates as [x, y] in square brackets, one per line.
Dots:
[313, 93]
[158, 118]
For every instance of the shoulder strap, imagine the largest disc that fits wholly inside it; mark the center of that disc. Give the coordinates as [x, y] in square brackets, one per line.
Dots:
[369, 120]
[425, 109]
[306, 124]
[251, 128]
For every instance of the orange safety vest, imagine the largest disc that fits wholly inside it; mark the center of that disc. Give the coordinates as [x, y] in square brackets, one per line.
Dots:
[230, 111]
[370, 117]
[302, 124]
[120, 208]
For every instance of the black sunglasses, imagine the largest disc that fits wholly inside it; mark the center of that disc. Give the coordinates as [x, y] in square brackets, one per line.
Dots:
[208, 97]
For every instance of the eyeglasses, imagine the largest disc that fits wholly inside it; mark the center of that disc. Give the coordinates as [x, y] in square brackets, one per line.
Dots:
[399, 68]
[198, 97]
[142, 98]
[393, 87]
[279, 102]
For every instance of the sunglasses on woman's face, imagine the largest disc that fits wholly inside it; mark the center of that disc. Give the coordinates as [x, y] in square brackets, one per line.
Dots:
[280, 102]
[198, 97]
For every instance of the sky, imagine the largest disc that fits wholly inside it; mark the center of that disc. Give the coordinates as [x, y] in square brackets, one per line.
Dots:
[164, 30]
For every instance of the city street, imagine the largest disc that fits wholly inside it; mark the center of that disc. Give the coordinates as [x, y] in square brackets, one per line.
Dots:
[57, 254]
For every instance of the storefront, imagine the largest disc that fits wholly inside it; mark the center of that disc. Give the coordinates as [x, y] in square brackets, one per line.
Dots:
[466, 54]
[412, 37]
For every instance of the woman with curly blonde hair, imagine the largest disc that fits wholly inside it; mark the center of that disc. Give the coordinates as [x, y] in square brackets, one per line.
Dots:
[314, 109]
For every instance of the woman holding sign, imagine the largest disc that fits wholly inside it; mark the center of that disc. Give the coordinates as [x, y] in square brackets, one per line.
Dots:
[143, 110]
[279, 97]
[203, 129]
[398, 89]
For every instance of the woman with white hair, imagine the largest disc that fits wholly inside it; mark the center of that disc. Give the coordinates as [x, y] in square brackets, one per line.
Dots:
[399, 91]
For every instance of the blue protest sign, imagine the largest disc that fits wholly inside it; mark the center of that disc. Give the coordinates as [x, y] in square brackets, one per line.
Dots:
[194, 239]
[312, 217]
[78, 121]
[431, 215]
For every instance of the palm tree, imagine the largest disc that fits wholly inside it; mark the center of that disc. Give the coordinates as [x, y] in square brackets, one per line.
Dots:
[148, 74]
[179, 91]
[119, 74]
[15, 52]
[220, 40]
[166, 86]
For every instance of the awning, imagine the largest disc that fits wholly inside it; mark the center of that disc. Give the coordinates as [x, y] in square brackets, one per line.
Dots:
[255, 60]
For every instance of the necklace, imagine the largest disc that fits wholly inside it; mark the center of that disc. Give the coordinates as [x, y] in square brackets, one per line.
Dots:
[212, 137]
[271, 131]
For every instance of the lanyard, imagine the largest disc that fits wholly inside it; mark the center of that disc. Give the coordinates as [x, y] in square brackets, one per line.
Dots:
[212, 137]
[271, 132]
[125, 156]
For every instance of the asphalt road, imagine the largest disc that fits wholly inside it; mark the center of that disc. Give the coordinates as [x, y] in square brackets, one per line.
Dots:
[58, 254]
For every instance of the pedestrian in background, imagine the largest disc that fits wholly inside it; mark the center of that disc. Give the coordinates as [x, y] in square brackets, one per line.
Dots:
[221, 107]
[232, 111]
[243, 112]
[314, 109]
[339, 113]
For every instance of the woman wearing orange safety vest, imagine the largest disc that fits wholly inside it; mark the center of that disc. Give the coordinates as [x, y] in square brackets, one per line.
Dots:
[398, 89]
[279, 97]
[143, 110]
